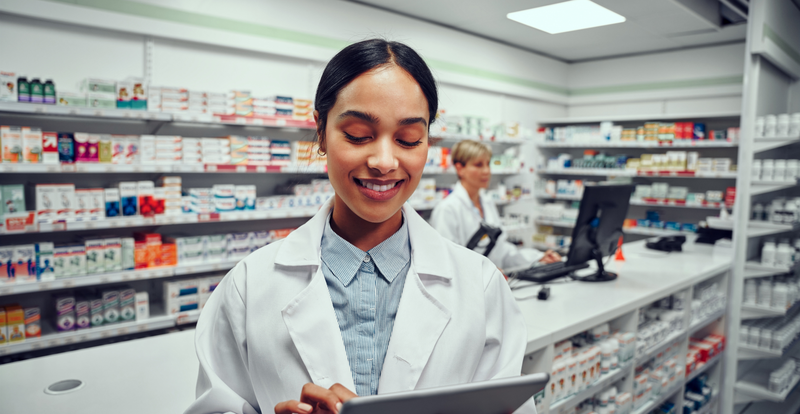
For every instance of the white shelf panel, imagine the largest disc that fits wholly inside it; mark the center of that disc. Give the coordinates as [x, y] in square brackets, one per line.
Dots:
[646, 203]
[688, 144]
[51, 340]
[615, 172]
[766, 228]
[57, 110]
[764, 187]
[645, 117]
[747, 351]
[603, 382]
[694, 327]
[758, 312]
[645, 231]
[754, 269]
[757, 392]
[556, 223]
[112, 277]
[481, 138]
[768, 143]
[672, 338]
[94, 168]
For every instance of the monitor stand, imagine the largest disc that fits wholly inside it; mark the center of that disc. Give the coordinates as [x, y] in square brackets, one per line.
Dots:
[601, 275]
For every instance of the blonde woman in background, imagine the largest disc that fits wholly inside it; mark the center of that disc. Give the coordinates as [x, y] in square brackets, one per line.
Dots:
[470, 220]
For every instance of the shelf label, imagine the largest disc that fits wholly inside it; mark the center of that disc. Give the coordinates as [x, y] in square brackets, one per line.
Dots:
[258, 121]
[183, 318]
[5, 290]
[142, 327]
[126, 276]
[241, 168]
[122, 331]
[261, 169]
[98, 113]
[280, 122]
[105, 334]
[240, 120]
[44, 286]
[69, 283]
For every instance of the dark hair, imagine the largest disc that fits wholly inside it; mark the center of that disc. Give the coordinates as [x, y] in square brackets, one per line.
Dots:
[362, 57]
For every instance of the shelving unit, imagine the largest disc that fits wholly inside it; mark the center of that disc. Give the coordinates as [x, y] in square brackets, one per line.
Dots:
[771, 72]
[612, 172]
[681, 144]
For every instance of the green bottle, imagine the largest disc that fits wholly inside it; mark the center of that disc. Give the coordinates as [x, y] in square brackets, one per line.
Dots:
[23, 89]
[49, 92]
[37, 91]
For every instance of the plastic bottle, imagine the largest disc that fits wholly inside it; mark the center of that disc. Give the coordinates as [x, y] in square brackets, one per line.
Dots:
[779, 173]
[760, 122]
[767, 169]
[768, 253]
[750, 292]
[782, 127]
[758, 212]
[37, 91]
[764, 293]
[792, 169]
[49, 92]
[756, 171]
[794, 125]
[23, 89]
[780, 296]
[770, 126]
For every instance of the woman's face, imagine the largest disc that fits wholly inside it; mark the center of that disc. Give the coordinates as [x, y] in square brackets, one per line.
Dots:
[475, 174]
[376, 140]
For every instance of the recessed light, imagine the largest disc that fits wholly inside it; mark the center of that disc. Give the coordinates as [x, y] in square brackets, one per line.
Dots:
[567, 16]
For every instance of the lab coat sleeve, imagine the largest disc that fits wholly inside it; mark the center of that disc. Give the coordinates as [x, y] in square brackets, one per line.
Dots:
[506, 335]
[223, 383]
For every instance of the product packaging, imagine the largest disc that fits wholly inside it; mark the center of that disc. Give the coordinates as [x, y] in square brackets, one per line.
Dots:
[3, 327]
[23, 263]
[65, 313]
[31, 145]
[8, 88]
[11, 141]
[127, 305]
[142, 301]
[45, 260]
[112, 204]
[146, 202]
[66, 148]
[83, 317]
[49, 148]
[127, 244]
[113, 254]
[110, 306]
[86, 147]
[96, 312]
[95, 256]
[15, 317]
[33, 322]
[13, 197]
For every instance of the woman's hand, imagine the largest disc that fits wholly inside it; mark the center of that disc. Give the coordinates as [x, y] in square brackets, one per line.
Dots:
[317, 400]
[550, 257]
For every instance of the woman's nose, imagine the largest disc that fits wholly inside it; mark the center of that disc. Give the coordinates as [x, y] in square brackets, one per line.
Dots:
[383, 158]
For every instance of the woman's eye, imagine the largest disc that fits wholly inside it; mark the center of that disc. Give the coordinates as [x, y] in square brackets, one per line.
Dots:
[409, 144]
[356, 140]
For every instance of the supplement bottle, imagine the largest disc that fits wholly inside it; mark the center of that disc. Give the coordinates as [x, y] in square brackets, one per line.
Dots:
[37, 91]
[49, 92]
[23, 89]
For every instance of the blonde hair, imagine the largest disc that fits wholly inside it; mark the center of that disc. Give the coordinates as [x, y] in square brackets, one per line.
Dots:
[467, 150]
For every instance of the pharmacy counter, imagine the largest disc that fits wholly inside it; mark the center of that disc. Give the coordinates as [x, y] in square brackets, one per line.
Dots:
[152, 375]
[644, 277]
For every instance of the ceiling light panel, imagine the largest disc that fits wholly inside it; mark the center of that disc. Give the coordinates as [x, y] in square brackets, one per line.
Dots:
[567, 16]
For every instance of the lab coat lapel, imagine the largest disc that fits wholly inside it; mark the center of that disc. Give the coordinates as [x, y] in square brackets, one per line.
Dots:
[418, 325]
[312, 324]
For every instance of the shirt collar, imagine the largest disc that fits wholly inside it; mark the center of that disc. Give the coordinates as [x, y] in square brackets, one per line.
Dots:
[344, 259]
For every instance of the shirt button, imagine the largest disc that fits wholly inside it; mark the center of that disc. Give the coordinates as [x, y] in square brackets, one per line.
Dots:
[366, 259]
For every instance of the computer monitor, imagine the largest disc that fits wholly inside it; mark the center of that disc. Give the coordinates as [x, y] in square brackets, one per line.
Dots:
[598, 228]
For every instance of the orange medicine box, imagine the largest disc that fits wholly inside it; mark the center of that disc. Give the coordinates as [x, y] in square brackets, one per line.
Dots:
[3, 327]
[16, 323]
[169, 255]
[140, 255]
[33, 323]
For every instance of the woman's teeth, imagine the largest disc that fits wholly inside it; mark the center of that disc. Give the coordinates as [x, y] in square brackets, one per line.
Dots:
[378, 188]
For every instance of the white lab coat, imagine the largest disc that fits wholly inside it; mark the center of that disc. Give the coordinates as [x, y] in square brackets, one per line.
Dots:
[270, 326]
[457, 219]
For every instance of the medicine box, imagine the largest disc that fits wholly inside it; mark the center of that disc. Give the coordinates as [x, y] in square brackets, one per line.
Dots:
[142, 304]
[127, 305]
[6, 269]
[11, 141]
[65, 313]
[83, 317]
[33, 322]
[60, 261]
[95, 256]
[83, 200]
[15, 317]
[31, 145]
[64, 202]
[3, 327]
[77, 259]
[8, 92]
[13, 197]
[128, 198]
[96, 312]
[45, 260]
[175, 289]
[66, 148]
[145, 191]
[111, 198]
[113, 254]
[49, 148]
[183, 304]
[110, 306]
[23, 263]
[127, 253]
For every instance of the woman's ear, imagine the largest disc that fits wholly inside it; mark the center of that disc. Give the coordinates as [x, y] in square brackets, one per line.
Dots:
[459, 166]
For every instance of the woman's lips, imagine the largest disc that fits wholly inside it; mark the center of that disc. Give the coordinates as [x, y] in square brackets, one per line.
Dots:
[379, 190]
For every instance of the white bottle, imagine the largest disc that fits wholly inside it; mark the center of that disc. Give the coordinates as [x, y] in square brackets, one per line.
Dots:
[783, 256]
[758, 212]
[779, 173]
[767, 169]
[750, 292]
[794, 126]
[792, 169]
[770, 126]
[760, 122]
[768, 253]
[756, 172]
[782, 127]
[764, 293]
[780, 296]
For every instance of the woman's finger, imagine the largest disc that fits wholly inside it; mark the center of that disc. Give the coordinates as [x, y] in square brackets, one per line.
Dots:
[342, 392]
[320, 397]
[291, 407]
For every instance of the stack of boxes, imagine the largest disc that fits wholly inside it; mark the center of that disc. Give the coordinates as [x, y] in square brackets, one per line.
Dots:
[192, 151]
[702, 350]
[657, 376]
[305, 153]
[170, 189]
[169, 149]
[303, 110]
[100, 93]
[218, 103]
[239, 152]
[281, 153]
[197, 103]
[172, 99]
[243, 103]
[189, 294]
[216, 150]
[258, 151]
[17, 323]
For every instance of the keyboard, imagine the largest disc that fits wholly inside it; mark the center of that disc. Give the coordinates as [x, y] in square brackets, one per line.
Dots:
[548, 272]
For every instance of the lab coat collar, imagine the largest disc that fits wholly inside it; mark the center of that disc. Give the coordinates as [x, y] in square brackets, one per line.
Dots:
[302, 246]
[462, 195]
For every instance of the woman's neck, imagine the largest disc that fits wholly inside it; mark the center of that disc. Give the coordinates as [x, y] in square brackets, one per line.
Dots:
[474, 194]
[359, 232]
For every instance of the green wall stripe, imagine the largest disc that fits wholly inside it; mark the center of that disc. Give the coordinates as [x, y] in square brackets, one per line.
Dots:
[782, 44]
[677, 84]
[237, 26]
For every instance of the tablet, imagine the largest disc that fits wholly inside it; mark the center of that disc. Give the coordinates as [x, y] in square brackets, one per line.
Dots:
[500, 396]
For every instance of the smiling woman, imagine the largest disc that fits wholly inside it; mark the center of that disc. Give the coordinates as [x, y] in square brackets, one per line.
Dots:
[365, 298]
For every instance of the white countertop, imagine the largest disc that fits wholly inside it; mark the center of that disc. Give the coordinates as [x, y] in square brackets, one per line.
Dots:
[645, 276]
[152, 375]
[157, 374]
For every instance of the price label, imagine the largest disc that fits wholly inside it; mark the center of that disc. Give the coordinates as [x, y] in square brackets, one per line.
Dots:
[182, 319]
[104, 279]
[240, 121]
[203, 217]
[261, 169]
[98, 113]
[73, 112]
[142, 327]
[241, 168]
[5, 291]
[105, 334]
[52, 168]
[69, 340]
[122, 331]
[36, 345]
[280, 122]
[69, 283]
[44, 286]
[39, 109]
[83, 338]
[211, 168]
[53, 342]
[258, 121]
[126, 276]
[68, 167]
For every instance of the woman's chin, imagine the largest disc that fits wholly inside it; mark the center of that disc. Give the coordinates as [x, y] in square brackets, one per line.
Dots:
[376, 212]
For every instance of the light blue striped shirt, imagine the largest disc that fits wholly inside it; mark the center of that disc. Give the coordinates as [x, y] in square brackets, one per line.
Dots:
[365, 289]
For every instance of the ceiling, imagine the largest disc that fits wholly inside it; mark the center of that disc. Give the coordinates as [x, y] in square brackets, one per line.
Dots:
[651, 26]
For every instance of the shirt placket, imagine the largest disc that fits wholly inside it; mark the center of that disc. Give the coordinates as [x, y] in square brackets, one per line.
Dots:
[366, 326]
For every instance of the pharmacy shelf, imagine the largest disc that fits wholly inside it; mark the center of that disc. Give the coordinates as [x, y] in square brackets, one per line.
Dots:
[710, 406]
[768, 143]
[128, 114]
[696, 326]
[756, 392]
[654, 349]
[653, 232]
[489, 140]
[556, 223]
[644, 118]
[603, 382]
[657, 401]
[688, 144]
[747, 352]
[756, 228]
[764, 187]
[758, 312]
[618, 172]
[113, 277]
[50, 339]
[433, 170]
[753, 269]
[655, 202]
[704, 367]
[94, 168]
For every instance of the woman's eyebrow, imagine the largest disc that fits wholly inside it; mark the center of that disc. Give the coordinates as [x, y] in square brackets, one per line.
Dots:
[409, 121]
[364, 116]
